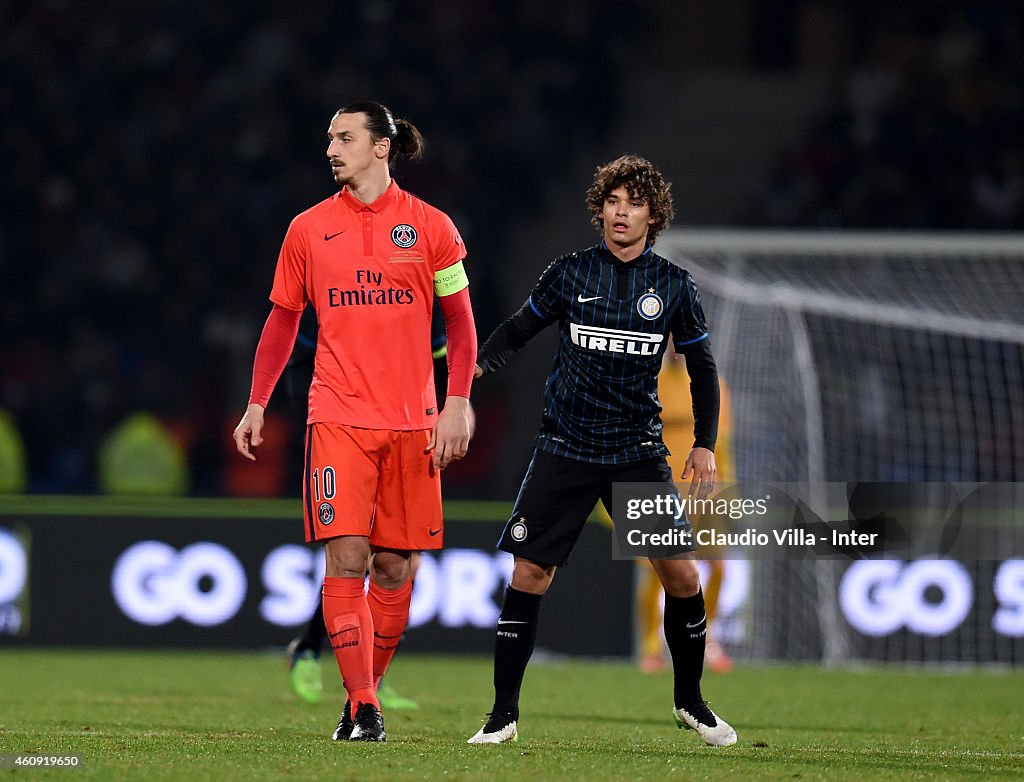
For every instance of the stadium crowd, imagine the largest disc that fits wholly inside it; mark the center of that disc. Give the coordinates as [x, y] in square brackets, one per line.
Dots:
[158, 151]
[923, 130]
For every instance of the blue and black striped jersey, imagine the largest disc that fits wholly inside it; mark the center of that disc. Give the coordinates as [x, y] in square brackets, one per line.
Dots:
[601, 399]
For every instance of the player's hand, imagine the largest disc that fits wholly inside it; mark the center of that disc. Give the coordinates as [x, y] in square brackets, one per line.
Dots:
[701, 463]
[249, 432]
[449, 440]
[477, 372]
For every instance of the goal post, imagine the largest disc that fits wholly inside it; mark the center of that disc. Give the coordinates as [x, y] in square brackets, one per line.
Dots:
[861, 356]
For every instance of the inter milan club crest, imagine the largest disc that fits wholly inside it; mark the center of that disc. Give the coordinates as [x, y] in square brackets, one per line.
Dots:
[404, 235]
[326, 513]
[649, 305]
[518, 530]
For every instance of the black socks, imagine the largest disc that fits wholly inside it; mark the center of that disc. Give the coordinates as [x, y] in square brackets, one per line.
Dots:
[686, 628]
[517, 631]
[313, 638]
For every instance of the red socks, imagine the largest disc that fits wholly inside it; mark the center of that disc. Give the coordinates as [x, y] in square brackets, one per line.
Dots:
[350, 631]
[390, 611]
[364, 630]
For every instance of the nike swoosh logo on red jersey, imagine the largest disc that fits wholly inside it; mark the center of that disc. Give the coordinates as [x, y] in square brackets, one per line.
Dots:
[328, 238]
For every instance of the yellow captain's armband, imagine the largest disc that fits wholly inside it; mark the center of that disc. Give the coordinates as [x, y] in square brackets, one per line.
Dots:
[450, 280]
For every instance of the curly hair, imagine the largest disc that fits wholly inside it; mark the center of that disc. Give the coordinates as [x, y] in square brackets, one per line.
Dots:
[642, 180]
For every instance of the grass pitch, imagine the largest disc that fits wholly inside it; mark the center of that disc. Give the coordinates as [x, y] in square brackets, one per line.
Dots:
[199, 716]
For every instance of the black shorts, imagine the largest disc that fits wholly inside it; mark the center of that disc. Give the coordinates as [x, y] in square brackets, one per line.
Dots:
[558, 495]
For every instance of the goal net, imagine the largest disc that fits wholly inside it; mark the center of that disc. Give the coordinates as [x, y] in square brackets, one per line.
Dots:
[870, 357]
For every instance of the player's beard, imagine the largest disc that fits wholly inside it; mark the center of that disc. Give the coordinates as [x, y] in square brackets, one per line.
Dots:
[342, 175]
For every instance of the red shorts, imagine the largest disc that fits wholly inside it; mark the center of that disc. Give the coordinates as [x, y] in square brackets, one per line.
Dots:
[377, 483]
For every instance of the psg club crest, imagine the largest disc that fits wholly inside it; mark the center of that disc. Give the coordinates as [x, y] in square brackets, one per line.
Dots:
[404, 236]
[326, 513]
[649, 306]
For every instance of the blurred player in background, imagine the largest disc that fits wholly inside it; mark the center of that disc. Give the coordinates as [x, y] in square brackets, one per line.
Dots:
[370, 260]
[616, 305]
[677, 434]
[303, 652]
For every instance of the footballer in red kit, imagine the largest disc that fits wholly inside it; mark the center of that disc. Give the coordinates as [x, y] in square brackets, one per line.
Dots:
[370, 259]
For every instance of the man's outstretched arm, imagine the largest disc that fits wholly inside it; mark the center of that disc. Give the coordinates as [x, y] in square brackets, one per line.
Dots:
[508, 338]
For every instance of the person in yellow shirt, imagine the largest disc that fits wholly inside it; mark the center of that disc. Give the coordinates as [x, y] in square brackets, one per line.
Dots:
[677, 420]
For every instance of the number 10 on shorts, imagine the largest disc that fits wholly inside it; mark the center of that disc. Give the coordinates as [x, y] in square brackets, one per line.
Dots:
[328, 483]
